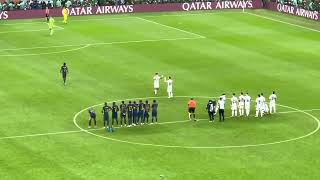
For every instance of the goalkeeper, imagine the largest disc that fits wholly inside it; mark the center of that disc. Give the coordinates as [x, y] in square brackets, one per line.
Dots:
[51, 25]
[65, 15]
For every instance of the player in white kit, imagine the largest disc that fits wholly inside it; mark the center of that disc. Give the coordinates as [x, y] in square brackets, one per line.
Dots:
[265, 109]
[156, 83]
[234, 105]
[259, 105]
[247, 100]
[273, 98]
[241, 104]
[169, 87]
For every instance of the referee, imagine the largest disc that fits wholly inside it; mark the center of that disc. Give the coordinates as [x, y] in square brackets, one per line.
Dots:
[192, 109]
[221, 103]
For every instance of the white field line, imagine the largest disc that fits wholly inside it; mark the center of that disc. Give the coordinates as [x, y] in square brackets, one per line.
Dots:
[33, 30]
[162, 123]
[283, 22]
[87, 45]
[170, 27]
[125, 17]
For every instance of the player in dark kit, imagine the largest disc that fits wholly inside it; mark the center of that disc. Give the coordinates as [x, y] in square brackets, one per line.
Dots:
[64, 71]
[130, 113]
[134, 113]
[123, 113]
[140, 111]
[146, 112]
[92, 117]
[115, 110]
[154, 108]
[105, 111]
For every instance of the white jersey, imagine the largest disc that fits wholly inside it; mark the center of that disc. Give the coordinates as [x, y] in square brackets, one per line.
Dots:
[241, 100]
[221, 104]
[156, 81]
[263, 100]
[247, 100]
[234, 102]
[259, 103]
[170, 84]
[273, 98]
[223, 97]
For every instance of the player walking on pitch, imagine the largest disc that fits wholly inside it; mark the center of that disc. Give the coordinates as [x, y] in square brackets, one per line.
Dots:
[241, 104]
[156, 83]
[247, 103]
[273, 98]
[51, 25]
[169, 87]
[64, 71]
[234, 105]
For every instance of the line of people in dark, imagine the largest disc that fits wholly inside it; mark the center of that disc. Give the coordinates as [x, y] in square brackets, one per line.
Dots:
[131, 114]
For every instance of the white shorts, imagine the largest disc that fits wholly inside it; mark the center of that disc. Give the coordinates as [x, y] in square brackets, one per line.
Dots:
[156, 85]
[169, 90]
[259, 108]
[241, 105]
[247, 106]
[234, 107]
[272, 104]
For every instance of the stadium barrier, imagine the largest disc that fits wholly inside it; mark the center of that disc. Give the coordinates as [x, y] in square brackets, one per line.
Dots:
[314, 15]
[98, 10]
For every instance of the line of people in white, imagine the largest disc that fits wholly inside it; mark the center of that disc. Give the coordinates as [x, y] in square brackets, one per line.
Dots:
[243, 102]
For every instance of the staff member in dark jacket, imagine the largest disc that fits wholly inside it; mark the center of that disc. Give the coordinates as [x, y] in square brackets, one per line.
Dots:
[211, 110]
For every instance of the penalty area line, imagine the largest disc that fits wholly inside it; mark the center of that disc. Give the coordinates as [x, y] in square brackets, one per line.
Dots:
[78, 131]
[283, 22]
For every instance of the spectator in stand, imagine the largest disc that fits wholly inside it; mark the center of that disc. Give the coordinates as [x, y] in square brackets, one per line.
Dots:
[0, 7]
[68, 4]
[58, 3]
[11, 6]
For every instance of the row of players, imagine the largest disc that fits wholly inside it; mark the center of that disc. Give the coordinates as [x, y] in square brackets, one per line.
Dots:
[137, 113]
[242, 104]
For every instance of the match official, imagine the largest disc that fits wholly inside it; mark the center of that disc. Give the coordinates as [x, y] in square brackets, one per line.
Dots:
[192, 109]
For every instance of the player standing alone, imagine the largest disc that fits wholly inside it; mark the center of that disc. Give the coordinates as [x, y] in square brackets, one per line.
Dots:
[192, 109]
[169, 87]
[47, 14]
[273, 98]
[51, 25]
[64, 71]
[65, 15]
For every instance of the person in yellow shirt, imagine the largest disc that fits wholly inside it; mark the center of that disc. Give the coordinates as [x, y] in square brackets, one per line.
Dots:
[65, 15]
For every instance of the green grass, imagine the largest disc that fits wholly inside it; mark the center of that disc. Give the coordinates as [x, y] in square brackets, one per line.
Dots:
[241, 52]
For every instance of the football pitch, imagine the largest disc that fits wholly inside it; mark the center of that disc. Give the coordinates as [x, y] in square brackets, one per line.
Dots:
[44, 124]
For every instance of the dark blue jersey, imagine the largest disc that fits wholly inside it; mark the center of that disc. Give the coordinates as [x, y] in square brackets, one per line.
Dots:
[64, 70]
[135, 108]
[154, 107]
[147, 108]
[141, 107]
[106, 109]
[92, 114]
[115, 109]
[130, 108]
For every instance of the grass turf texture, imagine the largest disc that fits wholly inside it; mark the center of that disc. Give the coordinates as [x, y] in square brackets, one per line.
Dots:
[240, 52]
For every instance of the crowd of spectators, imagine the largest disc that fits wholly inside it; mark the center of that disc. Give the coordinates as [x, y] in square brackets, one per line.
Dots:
[10, 5]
